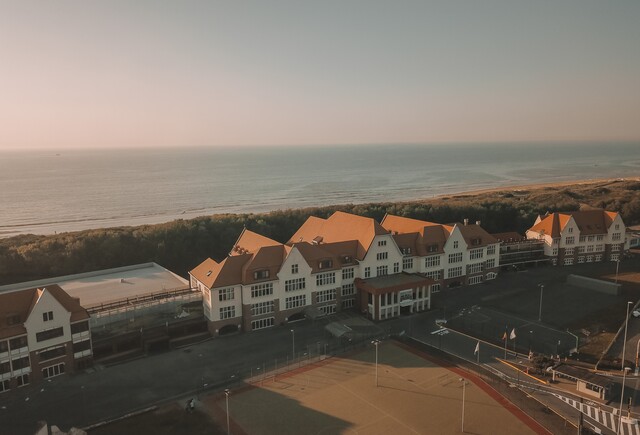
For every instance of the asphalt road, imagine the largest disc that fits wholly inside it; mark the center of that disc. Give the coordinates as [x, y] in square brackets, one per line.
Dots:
[107, 392]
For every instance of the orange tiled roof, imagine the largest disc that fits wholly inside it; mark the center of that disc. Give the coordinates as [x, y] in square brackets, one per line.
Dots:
[431, 234]
[588, 221]
[250, 242]
[339, 227]
[20, 304]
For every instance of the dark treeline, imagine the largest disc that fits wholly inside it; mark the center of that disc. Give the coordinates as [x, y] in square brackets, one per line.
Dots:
[182, 244]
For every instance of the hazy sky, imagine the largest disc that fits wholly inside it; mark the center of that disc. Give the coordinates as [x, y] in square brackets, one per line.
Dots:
[183, 73]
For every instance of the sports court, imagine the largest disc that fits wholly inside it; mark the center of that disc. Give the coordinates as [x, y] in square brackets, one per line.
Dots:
[339, 396]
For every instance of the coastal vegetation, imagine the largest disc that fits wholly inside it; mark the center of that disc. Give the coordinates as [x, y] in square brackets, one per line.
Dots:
[182, 244]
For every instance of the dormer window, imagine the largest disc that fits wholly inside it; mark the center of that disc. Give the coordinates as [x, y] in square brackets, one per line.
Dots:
[347, 259]
[46, 317]
[261, 274]
[432, 248]
[325, 264]
[405, 251]
[476, 242]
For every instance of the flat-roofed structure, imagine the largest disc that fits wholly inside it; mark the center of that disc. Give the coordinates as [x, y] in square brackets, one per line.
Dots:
[389, 296]
[130, 306]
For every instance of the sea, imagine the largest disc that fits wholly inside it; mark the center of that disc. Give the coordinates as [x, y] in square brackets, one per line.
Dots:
[46, 192]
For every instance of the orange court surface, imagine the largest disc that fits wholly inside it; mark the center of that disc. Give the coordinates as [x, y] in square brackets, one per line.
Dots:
[339, 396]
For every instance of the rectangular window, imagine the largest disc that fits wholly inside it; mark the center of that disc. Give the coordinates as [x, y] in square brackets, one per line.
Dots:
[491, 250]
[4, 346]
[23, 380]
[18, 342]
[325, 279]
[435, 275]
[348, 273]
[554, 252]
[590, 248]
[79, 327]
[405, 251]
[432, 261]
[295, 301]
[382, 256]
[367, 272]
[569, 251]
[568, 261]
[581, 249]
[432, 248]
[475, 280]
[598, 257]
[570, 229]
[227, 312]
[614, 257]
[455, 244]
[382, 270]
[52, 371]
[294, 270]
[615, 248]
[600, 237]
[435, 288]
[382, 243]
[325, 264]
[226, 294]
[407, 263]
[4, 386]
[582, 239]
[348, 303]
[81, 346]
[396, 267]
[348, 289]
[48, 316]
[5, 367]
[490, 263]
[262, 323]
[261, 274]
[569, 240]
[455, 258]
[295, 284]
[581, 259]
[474, 254]
[49, 334]
[599, 248]
[20, 363]
[52, 353]
[326, 295]
[454, 272]
[260, 290]
[262, 308]
[474, 268]
[328, 309]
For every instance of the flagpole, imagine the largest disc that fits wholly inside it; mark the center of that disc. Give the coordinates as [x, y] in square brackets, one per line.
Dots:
[505, 346]
[478, 357]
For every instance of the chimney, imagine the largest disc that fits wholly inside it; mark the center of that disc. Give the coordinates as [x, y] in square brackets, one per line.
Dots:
[466, 222]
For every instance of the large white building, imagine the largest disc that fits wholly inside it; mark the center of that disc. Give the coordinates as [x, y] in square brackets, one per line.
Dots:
[342, 262]
[585, 236]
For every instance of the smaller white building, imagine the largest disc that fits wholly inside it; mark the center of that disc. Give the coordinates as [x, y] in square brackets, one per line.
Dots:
[576, 237]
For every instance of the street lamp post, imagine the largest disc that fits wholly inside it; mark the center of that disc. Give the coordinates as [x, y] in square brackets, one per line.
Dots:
[617, 268]
[637, 352]
[293, 343]
[540, 310]
[226, 394]
[624, 344]
[464, 385]
[624, 377]
[376, 343]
